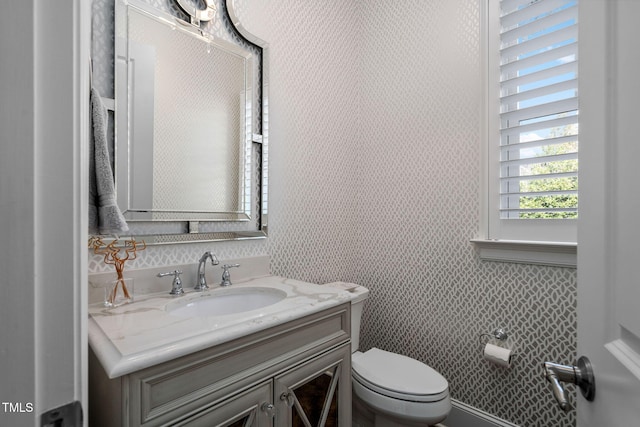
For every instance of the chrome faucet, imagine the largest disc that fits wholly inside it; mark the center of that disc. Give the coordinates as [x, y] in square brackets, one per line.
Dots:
[202, 281]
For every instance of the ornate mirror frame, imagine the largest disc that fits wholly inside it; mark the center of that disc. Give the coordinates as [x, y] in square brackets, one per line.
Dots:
[190, 229]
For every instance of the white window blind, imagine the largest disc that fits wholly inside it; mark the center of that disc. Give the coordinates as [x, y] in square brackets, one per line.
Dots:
[538, 109]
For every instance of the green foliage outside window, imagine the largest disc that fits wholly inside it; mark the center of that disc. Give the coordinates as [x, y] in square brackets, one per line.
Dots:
[555, 201]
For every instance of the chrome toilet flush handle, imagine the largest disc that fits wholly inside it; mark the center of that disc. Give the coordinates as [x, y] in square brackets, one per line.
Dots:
[580, 375]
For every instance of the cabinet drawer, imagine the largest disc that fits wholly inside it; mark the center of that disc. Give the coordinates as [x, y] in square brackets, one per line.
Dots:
[182, 387]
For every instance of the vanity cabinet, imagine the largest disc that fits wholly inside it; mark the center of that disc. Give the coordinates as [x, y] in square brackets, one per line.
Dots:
[311, 394]
[250, 408]
[294, 374]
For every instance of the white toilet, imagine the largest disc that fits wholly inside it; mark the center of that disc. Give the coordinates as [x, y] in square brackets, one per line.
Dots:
[390, 389]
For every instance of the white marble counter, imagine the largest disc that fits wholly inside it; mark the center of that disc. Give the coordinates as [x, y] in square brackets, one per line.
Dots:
[142, 334]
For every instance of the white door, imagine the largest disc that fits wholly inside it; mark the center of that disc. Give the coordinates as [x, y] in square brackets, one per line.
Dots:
[43, 211]
[609, 230]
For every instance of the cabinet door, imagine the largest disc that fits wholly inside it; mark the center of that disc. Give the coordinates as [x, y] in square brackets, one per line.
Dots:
[316, 393]
[252, 408]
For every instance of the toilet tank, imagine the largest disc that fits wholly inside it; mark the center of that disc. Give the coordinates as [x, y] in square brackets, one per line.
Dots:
[358, 296]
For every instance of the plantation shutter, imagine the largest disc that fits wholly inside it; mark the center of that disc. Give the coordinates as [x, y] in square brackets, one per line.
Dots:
[538, 109]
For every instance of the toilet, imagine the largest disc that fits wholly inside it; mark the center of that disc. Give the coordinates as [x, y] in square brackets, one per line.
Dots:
[390, 389]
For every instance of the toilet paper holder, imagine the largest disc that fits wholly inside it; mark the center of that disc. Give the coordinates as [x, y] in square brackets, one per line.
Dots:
[498, 333]
[499, 352]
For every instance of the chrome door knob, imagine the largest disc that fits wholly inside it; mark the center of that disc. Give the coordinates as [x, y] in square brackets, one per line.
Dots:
[581, 375]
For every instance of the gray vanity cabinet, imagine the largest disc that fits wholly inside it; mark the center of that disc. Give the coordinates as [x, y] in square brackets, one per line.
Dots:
[317, 393]
[247, 409]
[294, 374]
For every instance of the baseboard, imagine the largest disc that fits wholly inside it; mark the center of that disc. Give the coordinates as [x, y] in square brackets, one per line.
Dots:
[463, 415]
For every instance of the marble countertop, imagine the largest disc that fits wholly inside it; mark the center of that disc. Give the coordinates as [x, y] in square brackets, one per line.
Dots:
[142, 334]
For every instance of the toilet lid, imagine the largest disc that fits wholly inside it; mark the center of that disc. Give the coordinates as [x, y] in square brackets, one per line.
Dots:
[398, 376]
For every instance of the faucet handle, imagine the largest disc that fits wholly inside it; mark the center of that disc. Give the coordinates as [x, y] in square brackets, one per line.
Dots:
[226, 276]
[176, 288]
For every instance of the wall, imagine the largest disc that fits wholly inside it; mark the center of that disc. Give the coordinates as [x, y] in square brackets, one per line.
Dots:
[374, 178]
[419, 206]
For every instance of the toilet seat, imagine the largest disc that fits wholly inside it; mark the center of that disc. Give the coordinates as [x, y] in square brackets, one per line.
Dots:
[399, 377]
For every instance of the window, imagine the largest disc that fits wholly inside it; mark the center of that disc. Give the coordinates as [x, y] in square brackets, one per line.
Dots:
[532, 121]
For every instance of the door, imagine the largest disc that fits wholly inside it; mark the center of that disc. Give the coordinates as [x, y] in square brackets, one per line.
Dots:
[316, 393]
[609, 230]
[43, 213]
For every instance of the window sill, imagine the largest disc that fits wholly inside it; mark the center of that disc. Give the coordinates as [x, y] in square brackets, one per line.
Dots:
[527, 252]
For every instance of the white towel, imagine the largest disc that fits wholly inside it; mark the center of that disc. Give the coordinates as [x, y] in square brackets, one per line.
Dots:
[104, 215]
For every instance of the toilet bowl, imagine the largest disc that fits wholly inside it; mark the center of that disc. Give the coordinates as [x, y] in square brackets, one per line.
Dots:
[390, 389]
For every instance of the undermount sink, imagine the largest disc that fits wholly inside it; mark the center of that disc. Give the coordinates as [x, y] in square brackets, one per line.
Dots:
[226, 301]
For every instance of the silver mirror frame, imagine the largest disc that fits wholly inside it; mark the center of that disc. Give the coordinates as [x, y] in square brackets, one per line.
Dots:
[189, 231]
[198, 15]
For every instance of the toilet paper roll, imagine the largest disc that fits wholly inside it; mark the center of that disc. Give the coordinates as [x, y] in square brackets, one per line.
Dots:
[499, 355]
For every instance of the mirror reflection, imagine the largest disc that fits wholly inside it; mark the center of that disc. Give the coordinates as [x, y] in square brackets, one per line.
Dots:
[177, 179]
[185, 152]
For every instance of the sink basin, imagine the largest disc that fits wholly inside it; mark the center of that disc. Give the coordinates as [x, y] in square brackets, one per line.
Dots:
[226, 301]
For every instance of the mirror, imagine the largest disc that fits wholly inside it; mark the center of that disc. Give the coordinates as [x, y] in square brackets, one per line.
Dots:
[190, 110]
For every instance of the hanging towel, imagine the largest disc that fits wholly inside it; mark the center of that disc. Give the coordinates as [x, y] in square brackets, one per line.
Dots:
[104, 215]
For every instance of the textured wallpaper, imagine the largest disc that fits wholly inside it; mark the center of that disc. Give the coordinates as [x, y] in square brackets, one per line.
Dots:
[419, 181]
[374, 178]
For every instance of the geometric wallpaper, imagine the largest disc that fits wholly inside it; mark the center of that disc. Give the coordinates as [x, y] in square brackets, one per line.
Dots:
[374, 178]
[420, 180]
